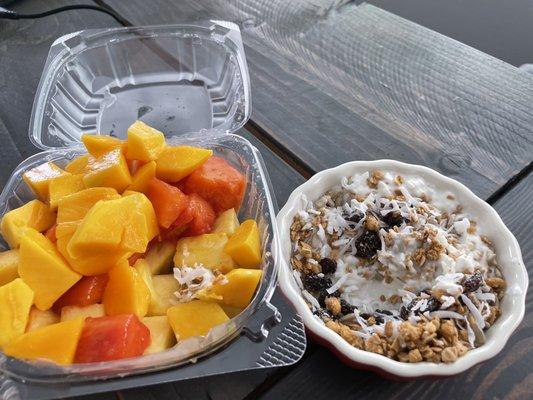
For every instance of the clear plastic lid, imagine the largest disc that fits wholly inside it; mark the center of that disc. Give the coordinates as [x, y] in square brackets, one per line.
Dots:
[181, 79]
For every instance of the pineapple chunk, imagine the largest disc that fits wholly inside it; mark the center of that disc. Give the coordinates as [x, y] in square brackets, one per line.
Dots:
[164, 287]
[72, 312]
[195, 318]
[9, 263]
[237, 291]
[39, 318]
[207, 250]
[161, 334]
[159, 257]
[227, 223]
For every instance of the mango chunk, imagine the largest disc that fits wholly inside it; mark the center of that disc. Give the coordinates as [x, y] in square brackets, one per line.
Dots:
[164, 287]
[124, 225]
[239, 289]
[16, 299]
[34, 214]
[77, 165]
[207, 249]
[38, 178]
[9, 263]
[39, 319]
[108, 170]
[159, 257]
[195, 318]
[161, 334]
[73, 208]
[43, 269]
[98, 145]
[126, 292]
[139, 180]
[73, 312]
[175, 163]
[144, 142]
[245, 245]
[56, 342]
[227, 222]
[63, 186]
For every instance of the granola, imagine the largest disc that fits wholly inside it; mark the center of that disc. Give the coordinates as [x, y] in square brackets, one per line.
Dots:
[397, 268]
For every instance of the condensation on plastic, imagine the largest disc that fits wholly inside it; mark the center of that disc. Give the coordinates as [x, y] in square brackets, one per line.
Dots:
[191, 82]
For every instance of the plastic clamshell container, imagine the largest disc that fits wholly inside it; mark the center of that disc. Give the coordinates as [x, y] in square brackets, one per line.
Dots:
[191, 82]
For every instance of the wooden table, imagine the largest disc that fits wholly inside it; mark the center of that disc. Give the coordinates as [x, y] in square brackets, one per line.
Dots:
[333, 81]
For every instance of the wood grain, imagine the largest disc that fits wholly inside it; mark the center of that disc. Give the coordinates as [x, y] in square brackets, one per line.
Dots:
[334, 82]
[508, 375]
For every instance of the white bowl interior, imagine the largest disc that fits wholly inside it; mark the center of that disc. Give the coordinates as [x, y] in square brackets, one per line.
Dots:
[489, 223]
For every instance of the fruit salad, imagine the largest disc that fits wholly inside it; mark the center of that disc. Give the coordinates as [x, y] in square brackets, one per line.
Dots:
[125, 251]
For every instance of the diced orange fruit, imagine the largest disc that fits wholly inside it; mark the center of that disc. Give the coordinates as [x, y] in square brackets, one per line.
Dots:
[87, 291]
[9, 263]
[195, 318]
[73, 312]
[227, 222]
[39, 319]
[175, 163]
[219, 183]
[238, 290]
[108, 170]
[161, 334]
[168, 201]
[34, 214]
[198, 217]
[50, 233]
[98, 145]
[207, 250]
[141, 178]
[144, 142]
[56, 342]
[38, 178]
[112, 338]
[126, 292]
[63, 186]
[77, 165]
[43, 269]
[245, 245]
[16, 299]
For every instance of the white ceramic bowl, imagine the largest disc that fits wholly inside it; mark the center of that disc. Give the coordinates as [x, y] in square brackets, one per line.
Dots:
[489, 222]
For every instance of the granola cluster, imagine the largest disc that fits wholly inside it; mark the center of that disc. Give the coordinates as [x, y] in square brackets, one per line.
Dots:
[397, 268]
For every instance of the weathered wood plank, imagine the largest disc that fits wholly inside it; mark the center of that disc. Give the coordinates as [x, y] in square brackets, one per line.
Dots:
[501, 29]
[343, 82]
[508, 375]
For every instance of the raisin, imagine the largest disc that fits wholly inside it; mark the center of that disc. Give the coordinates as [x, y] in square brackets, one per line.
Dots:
[385, 312]
[473, 283]
[393, 218]
[356, 217]
[433, 304]
[365, 315]
[379, 319]
[346, 308]
[323, 294]
[316, 283]
[404, 313]
[368, 244]
[328, 265]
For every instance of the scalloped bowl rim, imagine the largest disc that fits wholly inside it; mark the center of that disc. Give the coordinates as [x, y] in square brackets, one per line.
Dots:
[510, 261]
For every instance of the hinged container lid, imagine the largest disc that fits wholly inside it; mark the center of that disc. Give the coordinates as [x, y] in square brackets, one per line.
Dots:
[181, 79]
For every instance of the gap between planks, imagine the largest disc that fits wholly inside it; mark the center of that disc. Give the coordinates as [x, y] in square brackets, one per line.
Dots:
[306, 171]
